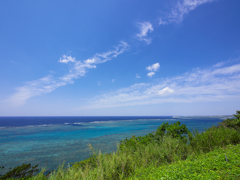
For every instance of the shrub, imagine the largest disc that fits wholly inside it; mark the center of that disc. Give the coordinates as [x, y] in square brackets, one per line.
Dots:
[213, 138]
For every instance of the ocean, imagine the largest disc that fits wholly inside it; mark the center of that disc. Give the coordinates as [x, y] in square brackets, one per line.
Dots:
[50, 141]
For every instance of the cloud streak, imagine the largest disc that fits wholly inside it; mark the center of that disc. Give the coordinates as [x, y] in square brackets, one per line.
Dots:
[210, 84]
[176, 15]
[182, 8]
[49, 83]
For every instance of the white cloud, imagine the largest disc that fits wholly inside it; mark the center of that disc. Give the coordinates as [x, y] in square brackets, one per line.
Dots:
[99, 83]
[150, 74]
[145, 28]
[153, 67]
[66, 59]
[113, 80]
[166, 90]
[49, 83]
[182, 8]
[199, 85]
[90, 61]
[137, 76]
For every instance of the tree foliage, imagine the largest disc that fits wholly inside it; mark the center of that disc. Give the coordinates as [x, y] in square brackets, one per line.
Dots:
[232, 123]
[174, 130]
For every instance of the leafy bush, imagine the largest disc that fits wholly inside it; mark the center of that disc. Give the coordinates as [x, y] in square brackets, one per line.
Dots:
[134, 142]
[174, 130]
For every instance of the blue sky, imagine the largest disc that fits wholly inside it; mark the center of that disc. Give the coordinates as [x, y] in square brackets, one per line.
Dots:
[111, 58]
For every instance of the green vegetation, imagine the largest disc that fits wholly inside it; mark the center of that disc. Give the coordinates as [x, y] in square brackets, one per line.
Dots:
[213, 138]
[171, 152]
[25, 171]
[232, 123]
[218, 164]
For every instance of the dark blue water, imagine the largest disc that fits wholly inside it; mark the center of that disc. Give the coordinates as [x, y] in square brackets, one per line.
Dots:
[28, 121]
[49, 141]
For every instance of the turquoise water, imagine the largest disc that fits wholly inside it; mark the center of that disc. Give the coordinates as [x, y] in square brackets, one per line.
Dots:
[49, 145]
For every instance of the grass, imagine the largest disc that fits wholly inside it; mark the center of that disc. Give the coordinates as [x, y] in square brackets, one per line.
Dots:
[123, 163]
[222, 163]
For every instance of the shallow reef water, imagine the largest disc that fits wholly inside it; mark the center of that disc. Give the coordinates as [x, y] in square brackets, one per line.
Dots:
[49, 142]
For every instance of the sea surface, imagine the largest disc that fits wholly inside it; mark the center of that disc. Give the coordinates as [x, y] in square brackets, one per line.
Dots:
[50, 141]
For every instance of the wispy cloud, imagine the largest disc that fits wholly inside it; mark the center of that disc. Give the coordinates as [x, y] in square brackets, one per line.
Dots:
[176, 15]
[182, 8]
[103, 57]
[152, 68]
[34, 88]
[137, 76]
[210, 84]
[220, 64]
[145, 28]
[50, 83]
